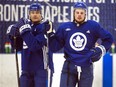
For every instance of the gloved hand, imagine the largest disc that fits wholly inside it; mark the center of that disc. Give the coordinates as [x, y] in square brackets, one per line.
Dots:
[15, 38]
[12, 31]
[98, 52]
[47, 26]
[23, 25]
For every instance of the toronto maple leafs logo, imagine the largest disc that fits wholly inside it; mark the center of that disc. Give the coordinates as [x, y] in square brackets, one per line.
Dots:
[78, 41]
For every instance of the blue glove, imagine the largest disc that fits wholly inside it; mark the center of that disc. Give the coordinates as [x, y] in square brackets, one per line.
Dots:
[12, 31]
[23, 25]
[98, 52]
[15, 38]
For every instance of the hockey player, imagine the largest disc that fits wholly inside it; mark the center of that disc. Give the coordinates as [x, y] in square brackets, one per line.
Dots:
[33, 53]
[78, 39]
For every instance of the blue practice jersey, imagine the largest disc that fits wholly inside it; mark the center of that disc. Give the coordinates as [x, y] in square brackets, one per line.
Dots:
[78, 40]
[34, 50]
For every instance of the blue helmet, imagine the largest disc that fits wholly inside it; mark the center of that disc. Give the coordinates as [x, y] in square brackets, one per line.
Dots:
[80, 5]
[35, 6]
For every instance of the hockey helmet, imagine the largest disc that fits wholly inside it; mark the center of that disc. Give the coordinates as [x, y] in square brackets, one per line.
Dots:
[35, 6]
[80, 5]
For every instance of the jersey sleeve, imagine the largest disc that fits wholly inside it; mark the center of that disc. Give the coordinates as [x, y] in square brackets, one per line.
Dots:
[34, 42]
[105, 37]
[57, 40]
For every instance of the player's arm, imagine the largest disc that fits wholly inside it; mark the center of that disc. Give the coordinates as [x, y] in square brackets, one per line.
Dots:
[105, 37]
[107, 40]
[56, 40]
[33, 42]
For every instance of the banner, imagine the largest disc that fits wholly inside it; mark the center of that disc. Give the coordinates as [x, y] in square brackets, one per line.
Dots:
[58, 11]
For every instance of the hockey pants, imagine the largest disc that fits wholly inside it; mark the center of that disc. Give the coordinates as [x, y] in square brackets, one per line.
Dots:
[70, 77]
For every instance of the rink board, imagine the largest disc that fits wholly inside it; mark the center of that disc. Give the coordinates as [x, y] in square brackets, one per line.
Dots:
[104, 70]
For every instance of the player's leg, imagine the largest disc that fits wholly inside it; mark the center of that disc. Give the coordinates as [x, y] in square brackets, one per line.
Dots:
[41, 79]
[86, 77]
[26, 80]
[68, 75]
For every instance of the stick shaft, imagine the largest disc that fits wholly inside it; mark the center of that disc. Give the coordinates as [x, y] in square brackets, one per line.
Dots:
[17, 65]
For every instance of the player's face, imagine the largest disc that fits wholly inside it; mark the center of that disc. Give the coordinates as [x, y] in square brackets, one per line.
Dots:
[79, 15]
[35, 16]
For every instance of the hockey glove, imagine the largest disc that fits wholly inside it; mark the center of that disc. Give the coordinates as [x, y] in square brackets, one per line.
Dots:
[23, 25]
[98, 52]
[47, 26]
[15, 38]
[12, 31]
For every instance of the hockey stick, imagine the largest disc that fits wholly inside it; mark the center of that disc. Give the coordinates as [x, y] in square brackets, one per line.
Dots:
[17, 65]
[48, 70]
[13, 37]
[46, 64]
[46, 60]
